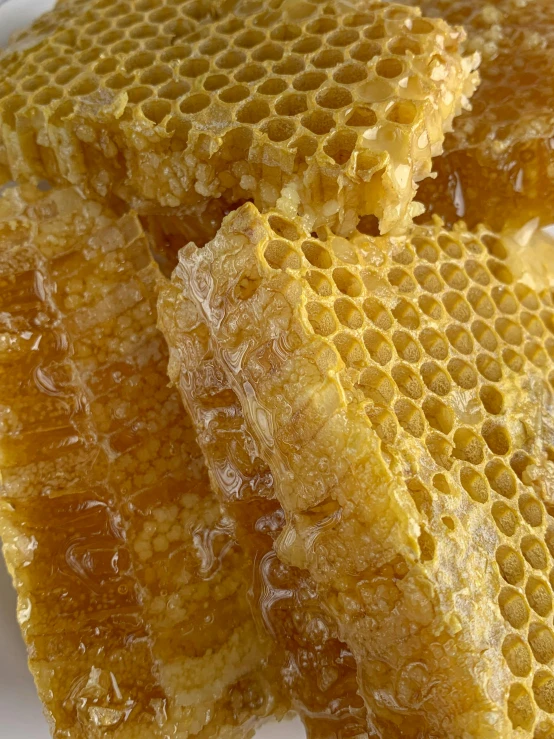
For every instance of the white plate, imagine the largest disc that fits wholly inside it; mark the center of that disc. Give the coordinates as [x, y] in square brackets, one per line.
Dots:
[20, 712]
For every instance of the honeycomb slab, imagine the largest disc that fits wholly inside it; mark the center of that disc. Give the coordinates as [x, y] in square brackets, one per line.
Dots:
[401, 392]
[498, 165]
[132, 589]
[318, 670]
[331, 109]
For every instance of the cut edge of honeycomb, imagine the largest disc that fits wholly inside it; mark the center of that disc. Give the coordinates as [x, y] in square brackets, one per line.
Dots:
[350, 104]
[319, 671]
[497, 166]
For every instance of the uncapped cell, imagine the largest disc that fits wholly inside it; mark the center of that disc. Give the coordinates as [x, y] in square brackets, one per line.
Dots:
[400, 391]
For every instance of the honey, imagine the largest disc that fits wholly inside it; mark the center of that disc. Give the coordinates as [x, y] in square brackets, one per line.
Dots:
[400, 391]
[498, 165]
[312, 472]
[132, 588]
[331, 110]
[317, 668]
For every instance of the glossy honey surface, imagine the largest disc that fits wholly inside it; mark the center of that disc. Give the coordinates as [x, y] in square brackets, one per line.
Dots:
[132, 590]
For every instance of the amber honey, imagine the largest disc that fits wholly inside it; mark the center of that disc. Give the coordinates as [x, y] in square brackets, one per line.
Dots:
[317, 668]
[498, 166]
[132, 589]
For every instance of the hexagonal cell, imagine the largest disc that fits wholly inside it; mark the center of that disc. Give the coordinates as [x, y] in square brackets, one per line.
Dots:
[474, 484]
[406, 348]
[496, 437]
[280, 255]
[284, 228]
[505, 518]
[517, 655]
[321, 318]
[376, 386]
[378, 347]
[348, 313]
[510, 564]
[541, 641]
[459, 338]
[347, 282]
[340, 146]
[520, 708]
[407, 381]
[468, 446]
[438, 415]
[543, 690]
[350, 350]
[534, 552]
[513, 607]
[435, 378]
[440, 450]
[501, 478]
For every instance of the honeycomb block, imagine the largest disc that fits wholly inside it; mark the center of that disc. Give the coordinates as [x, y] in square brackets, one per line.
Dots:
[498, 165]
[400, 391]
[317, 668]
[331, 109]
[132, 588]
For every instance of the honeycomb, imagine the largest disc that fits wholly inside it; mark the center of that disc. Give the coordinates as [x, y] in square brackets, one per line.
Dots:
[318, 670]
[132, 588]
[400, 390]
[331, 109]
[498, 164]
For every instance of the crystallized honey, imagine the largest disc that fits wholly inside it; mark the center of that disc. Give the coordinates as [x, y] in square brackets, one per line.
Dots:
[332, 110]
[400, 391]
[498, 165]
[132, 588]
[317, 668]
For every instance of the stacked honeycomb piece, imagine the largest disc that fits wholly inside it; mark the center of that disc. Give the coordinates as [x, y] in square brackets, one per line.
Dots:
[361, 530]
[333, 110]
[132, 588]
[400, 390]
[317, 667]
[498, 165]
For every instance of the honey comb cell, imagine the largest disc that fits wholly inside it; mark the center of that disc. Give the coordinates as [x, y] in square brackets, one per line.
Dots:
[415, 482]
[131, 586]
[300, 105]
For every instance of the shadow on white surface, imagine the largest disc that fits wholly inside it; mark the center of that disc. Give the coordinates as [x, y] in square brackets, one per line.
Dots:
[20, 710]
[15, 14]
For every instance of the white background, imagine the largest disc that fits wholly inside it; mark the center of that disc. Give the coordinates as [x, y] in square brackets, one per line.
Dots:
[20, 711]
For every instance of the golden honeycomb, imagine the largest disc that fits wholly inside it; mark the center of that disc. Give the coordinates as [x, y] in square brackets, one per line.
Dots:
[318, 670]
[498, 164]
[400, 390]
[332, 109]
[132, 588]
